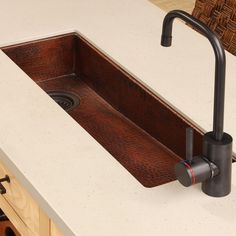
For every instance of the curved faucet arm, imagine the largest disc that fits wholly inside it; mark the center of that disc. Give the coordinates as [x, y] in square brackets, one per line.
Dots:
[219, 89]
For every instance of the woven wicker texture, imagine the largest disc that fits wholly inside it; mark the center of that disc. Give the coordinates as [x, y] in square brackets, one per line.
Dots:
[220, 16]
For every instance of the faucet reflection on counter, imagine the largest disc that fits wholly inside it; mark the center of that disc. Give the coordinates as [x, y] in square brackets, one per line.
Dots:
[213, 167]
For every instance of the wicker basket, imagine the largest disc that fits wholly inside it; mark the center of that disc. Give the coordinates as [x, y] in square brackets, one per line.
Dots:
[220, 16]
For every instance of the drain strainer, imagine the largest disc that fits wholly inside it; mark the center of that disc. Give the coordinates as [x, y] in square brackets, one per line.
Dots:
[66, 100]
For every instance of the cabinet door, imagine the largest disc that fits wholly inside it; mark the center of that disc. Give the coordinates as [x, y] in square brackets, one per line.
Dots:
[55, 231]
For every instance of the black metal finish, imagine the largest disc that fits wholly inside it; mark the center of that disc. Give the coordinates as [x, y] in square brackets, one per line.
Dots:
[189, 145]
[219, 153]
[194, 170]
[198, 171]
[65, 100]
[219, 94]
[213, 168]
[2, 188]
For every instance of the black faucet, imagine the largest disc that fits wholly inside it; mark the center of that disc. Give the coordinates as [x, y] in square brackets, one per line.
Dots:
[213, 167]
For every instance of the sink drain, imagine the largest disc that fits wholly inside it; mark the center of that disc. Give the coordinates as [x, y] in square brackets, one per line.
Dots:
[65, 100]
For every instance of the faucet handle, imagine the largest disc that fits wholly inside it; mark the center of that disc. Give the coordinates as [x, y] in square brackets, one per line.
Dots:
[189, 144]
[194, 170]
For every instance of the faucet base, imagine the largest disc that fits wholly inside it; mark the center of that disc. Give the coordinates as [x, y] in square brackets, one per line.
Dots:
[219, 153]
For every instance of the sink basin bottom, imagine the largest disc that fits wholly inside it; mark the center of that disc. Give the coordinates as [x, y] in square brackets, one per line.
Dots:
[142, 155]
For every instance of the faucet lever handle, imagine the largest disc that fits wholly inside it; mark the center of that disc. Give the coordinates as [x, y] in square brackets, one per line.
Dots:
[190, 172]
[189, 144]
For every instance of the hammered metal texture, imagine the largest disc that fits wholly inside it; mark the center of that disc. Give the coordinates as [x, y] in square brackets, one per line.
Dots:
[138, 128]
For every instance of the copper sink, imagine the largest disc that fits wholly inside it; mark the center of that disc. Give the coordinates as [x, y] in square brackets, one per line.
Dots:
[140, 130]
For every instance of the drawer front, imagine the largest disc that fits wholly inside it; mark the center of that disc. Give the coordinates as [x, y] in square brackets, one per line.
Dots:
[20, 200]
[19, 225]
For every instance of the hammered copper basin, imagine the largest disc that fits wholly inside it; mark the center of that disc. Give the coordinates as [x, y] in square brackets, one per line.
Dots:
[140, 130]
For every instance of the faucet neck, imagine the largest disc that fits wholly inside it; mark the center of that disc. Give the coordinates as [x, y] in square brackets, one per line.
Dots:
[220, 63]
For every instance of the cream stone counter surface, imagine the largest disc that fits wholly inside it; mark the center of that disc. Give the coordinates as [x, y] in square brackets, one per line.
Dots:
[78, 183]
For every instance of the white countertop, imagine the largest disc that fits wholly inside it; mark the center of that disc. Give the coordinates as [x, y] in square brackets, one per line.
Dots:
[78, 183]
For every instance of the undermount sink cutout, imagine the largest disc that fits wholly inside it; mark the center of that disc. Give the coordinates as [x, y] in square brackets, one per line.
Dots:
[135, 126]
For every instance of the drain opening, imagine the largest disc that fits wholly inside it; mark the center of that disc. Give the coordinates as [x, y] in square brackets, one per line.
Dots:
[65, 100]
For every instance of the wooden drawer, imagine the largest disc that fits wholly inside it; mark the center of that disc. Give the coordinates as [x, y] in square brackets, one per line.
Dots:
[21, 202]
[14, 218]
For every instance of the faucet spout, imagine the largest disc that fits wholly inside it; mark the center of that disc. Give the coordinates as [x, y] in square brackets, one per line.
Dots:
[220, 63]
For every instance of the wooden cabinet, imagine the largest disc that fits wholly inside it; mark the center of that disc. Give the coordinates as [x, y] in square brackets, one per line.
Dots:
[22, 203]
[54, 230]
[23, 211]
[14, 218]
